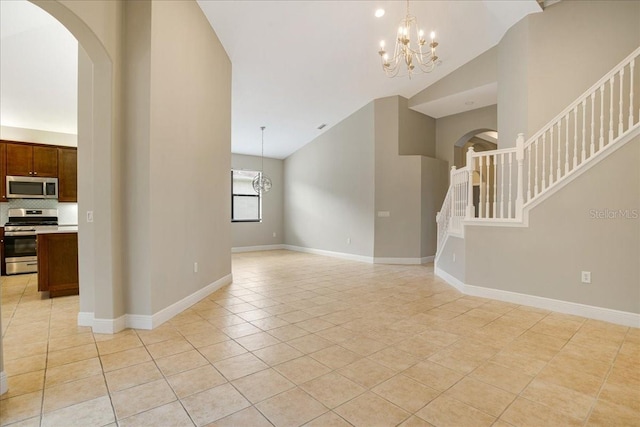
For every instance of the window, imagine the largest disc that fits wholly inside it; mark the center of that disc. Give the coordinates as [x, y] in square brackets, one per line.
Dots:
[246, 204]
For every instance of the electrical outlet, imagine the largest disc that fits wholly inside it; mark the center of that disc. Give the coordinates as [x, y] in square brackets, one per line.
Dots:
[454, 257]
[348, 240]
[274, 234]
[195, 267]
[89, 216]
[586, 277]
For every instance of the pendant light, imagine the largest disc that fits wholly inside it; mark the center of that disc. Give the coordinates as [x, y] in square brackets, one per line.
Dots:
[262, 183]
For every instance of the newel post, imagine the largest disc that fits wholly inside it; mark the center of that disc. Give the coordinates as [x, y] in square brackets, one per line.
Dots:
[520, 159]
[471, 212]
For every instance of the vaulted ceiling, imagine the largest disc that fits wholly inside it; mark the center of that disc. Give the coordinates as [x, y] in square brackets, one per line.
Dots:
[296, 64]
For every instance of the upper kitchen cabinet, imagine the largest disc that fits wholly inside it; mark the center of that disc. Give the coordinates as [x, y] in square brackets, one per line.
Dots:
[31, 160]
[67, 175]
[3, 172]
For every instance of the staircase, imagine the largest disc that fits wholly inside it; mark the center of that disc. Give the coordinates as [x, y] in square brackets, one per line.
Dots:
[514, 180]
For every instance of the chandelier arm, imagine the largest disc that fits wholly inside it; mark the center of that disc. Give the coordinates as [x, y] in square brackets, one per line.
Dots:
[408, 52]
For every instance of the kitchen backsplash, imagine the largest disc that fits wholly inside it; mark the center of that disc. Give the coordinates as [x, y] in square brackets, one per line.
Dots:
[67, 212]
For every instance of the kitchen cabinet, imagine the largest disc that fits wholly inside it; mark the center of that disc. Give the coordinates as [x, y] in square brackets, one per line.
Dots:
[31, 160]
[67, 175]
[3, 173]
[58, 264]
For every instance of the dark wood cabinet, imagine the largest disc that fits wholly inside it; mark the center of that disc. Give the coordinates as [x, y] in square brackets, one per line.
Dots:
[3, 172]
[2, 266]
[67, 175]
[58, 264]
[31, 160]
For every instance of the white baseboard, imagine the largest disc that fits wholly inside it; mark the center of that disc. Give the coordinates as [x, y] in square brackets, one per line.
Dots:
[342, 255]
[4, 384]
[453, 281]
[241, 249]
[592, 312]
[176, 308]
[109, 326]
[403, 261]
[85, 318]
[141, 321]
[361, 258]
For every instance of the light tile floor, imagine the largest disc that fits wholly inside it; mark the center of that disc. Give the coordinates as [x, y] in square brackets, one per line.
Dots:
[300, 339]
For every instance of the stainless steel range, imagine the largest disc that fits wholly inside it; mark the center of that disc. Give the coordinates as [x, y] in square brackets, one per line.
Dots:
[20, 237]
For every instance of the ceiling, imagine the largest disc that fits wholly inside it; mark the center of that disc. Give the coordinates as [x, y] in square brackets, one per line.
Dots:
[296, 64]
[38, 70]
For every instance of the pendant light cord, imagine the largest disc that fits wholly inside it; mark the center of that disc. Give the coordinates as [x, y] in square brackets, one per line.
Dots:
[262, 155]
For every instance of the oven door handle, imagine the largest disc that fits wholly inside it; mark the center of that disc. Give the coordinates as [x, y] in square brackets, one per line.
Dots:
[19, 233]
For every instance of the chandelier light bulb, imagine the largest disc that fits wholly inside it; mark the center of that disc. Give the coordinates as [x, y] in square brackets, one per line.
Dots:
[379, 13]
[421, 33]
[433, 35]
[382, 44]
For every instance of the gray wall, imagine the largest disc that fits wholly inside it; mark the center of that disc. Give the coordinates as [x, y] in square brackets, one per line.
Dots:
[451, 128]
[549, 59]
[435, 182]
[480, 71]
[261, 233]
[416, 133]
[329, 188]
[190, 135]
[410, 187]
[177, 121]
[452, 259]
[563, 239]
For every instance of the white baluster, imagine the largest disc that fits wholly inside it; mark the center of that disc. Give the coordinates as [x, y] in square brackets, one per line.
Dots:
[601, 140]
[510, 184]
[535, 177]
[502, 185]
[592, 146]
[487, 199]
[620, 121]
[454, 199]
[495, 185]
[575, 137]
[559, 171]
[520, 189]
[611, 111]
[583, 154]
[566, 145]
[544, 161]
[470, 209]
[481, 187]
[551, 156]
[529, 175]
[631, 66]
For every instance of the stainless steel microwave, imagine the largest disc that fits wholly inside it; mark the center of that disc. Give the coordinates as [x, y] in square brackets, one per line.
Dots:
[25, 187]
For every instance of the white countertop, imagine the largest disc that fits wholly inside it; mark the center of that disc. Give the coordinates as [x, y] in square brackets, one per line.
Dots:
[60, 229]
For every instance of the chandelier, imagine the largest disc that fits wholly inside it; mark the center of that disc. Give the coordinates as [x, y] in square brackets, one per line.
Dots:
[262, 183]
[409, 50]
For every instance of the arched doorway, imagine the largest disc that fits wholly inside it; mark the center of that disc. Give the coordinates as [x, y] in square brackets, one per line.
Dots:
[101, 300]
[479, 140]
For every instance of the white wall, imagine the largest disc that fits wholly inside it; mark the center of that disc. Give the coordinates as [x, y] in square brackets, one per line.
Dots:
[329, 188]
[247, 234]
